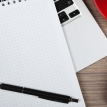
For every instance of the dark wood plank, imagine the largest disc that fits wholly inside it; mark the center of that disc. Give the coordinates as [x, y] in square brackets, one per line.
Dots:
[93, 79]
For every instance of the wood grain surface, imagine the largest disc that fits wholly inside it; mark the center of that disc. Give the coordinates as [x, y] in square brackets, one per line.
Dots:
[93, 79]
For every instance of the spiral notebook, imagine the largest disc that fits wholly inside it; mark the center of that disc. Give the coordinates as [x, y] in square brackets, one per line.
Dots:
[34, 54]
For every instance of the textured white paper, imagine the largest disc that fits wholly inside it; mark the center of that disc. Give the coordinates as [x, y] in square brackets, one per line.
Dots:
[34, 54]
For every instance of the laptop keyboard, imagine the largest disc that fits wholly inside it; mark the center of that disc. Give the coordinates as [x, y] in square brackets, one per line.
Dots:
[74, 13]
[62, 4]
[63, 17]
[67, 11]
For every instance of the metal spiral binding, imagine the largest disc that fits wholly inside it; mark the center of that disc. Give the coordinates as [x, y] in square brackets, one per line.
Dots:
[7, 2]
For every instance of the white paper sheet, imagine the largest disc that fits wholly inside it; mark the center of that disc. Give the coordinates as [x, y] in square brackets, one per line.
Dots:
[34, 54]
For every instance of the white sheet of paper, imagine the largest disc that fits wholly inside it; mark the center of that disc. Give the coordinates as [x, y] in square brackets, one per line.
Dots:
[34, 54]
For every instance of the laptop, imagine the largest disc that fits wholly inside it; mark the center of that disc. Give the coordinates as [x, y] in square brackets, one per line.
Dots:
[87, 43]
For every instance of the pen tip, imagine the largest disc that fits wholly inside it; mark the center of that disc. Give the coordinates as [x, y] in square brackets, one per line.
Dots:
[73, 100]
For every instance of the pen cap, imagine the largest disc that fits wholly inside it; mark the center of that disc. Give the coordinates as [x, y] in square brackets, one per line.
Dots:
[11, 88]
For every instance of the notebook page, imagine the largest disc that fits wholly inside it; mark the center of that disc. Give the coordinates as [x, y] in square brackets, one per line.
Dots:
[34, 54]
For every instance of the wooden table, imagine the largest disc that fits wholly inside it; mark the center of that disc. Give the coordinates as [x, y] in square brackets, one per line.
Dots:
[93, 79]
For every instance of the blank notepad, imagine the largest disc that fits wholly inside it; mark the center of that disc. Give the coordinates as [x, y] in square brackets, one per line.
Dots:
[34, 54]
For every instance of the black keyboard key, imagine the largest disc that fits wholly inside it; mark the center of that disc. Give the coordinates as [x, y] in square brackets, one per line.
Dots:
[74, 13]
[62, 14]
[2, 0]
[62, 4]
[63, 17]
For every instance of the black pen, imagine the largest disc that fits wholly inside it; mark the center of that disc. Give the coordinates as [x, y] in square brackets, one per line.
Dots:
[39, 93]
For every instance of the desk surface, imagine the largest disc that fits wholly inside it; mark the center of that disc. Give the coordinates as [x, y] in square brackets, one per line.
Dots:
[93, 79]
